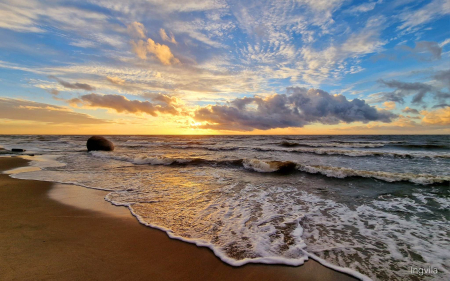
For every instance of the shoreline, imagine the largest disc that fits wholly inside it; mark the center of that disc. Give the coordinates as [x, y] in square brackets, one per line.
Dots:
[49, 237]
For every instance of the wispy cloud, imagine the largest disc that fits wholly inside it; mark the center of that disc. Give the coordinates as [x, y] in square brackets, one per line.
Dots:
[74, 86]
[39, 17]
[414, 18]
[122, 104]
[365, 7]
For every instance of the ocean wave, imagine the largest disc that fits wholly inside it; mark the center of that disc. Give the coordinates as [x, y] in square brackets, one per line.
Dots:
[425, 146]
[340, 172]
[323, 151]
[374, 141]
[269, 166]
[285, 167]
[166, 161]
[332, 144]
[359, 153]
[212, 148]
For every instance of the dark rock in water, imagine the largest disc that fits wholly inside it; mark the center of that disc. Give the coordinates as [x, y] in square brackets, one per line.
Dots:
[18, 150]
[99, 143]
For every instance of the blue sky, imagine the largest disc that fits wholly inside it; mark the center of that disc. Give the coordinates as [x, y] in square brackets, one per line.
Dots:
[170, 67]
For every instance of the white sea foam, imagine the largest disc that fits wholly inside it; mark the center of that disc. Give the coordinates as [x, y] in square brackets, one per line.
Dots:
[136, 159]
[376, 236]
[340, 172]
[239, 228]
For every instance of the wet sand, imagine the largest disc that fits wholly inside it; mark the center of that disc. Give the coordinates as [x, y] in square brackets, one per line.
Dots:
[52, 232]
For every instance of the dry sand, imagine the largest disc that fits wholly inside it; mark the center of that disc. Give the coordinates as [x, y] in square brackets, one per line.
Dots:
[44, 239]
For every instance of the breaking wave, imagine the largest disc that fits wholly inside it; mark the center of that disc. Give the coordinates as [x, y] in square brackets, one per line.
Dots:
[323, 151]
[285, 167]
[333, 144]
[360, 153]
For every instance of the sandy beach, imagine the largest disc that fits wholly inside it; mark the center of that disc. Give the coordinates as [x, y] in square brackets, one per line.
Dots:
[45, 239]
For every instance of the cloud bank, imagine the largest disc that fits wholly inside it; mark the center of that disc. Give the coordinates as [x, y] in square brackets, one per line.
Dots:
[297, 108]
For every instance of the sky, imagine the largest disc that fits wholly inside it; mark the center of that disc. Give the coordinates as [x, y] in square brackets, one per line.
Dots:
[224, 67]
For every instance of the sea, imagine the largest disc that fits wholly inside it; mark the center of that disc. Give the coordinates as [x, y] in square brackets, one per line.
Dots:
[375, 207]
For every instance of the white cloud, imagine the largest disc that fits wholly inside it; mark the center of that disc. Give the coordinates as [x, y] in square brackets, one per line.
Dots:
[202, 31]
[365, 7]
[334, 60]
[35, 16]
[323, 5]
[365, 42]
[430, 12]
[20, 17]
[83, 43]
[445, 42]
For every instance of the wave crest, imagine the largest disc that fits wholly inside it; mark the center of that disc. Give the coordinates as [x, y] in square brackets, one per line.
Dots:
[272, 166]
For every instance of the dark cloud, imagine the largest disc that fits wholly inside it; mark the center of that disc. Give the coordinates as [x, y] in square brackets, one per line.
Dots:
[160, 98]
[422, 51]
[443, 77]
[297, 108]
[425, 50]
[79, 86]
[410, 110]
[122, 104]
[403, 89]
[417, 90]
[442, 105]
[53, 92]
[387, 96]
[34, 111]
